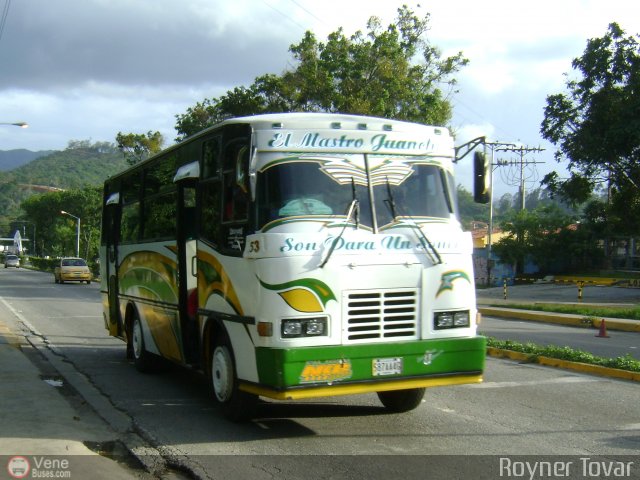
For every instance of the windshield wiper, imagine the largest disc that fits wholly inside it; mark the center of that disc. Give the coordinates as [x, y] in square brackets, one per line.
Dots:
[389, 201]
[355, 204]
[426, 243]
[354, 209]
[429, 249]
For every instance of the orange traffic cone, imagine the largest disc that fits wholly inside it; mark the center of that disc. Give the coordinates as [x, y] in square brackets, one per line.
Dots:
[602, 333]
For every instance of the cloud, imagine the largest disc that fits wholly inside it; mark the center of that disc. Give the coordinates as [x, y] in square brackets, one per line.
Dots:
[87, 69]
[65, 43]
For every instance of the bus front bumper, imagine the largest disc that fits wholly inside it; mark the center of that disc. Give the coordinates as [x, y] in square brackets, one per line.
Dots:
[352, 369]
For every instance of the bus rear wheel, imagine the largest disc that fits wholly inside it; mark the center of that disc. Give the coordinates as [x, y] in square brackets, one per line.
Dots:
[399, 401]
[144, 361]
[235, 404]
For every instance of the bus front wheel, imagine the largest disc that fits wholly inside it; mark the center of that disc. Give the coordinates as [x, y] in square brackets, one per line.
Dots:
[399, 401]
[235, 404]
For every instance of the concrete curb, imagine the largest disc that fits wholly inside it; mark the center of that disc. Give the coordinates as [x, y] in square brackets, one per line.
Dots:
[555, 362]
[562, 318]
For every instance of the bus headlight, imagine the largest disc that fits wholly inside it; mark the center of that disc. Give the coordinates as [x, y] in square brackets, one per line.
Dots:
[443, 320]
[304, 327]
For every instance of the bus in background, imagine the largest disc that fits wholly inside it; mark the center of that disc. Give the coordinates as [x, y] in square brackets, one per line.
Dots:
[294, 256]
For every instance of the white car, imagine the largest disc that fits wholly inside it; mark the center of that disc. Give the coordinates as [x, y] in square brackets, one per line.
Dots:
[11, 261]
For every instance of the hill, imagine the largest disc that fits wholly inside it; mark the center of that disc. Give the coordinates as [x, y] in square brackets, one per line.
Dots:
[81, 164]
[10, 159]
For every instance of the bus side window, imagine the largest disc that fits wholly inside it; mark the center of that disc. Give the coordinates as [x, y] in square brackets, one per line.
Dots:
[235, 195]
[130, 224]
[211, 158]
[189, 206]
[210, 212]
[235, 182]
[130, 196]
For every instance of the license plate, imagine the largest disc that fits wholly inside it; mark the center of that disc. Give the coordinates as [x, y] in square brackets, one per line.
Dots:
[387, 366]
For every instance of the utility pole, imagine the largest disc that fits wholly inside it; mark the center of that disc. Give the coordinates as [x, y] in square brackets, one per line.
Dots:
[494, 147]
[521, 151]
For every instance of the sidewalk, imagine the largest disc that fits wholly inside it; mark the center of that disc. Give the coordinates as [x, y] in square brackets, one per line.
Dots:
[43, 419]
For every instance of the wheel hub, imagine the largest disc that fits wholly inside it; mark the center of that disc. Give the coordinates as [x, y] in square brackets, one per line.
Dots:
[222, 374]
[137, 339]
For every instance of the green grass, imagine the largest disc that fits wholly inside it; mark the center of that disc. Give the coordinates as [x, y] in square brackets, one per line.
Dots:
[565, 353]
[632, 313]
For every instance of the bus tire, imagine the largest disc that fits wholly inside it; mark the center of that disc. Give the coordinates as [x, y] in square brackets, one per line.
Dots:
[399, 401]
[235, 404]
[144, 361]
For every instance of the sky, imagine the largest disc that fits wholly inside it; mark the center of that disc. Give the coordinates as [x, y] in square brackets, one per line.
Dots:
[88, 69]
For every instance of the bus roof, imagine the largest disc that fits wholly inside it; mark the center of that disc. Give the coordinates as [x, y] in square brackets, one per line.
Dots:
[332, 132]
[324, 132]
[324, 120]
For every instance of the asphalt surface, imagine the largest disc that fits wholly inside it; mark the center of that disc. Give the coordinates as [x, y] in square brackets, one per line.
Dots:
[42, 416]
[559, 293]
[500, 302]
[574, 331]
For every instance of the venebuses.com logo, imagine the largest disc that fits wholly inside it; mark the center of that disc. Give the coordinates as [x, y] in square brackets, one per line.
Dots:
[38, 467]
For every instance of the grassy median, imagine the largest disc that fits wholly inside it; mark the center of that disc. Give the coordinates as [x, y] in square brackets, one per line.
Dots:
[565, 353]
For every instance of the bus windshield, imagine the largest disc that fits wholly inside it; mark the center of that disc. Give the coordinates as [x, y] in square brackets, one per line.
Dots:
[313, 189]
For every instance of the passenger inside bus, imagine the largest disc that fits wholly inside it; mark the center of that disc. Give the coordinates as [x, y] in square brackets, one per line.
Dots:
[305, 205]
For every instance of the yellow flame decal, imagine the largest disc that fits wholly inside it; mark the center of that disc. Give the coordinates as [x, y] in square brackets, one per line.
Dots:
[302, 300]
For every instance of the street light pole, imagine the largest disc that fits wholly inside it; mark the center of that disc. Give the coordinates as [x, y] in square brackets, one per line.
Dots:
[77, 232]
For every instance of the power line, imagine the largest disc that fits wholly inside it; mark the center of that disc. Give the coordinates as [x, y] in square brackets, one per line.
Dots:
[5, 14]
[284, 15]
[309, 12]
[529, 165]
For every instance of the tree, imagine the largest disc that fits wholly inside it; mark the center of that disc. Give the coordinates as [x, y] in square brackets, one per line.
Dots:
[56, 233]
[137, 146]
[596, 126]
[391, 72]
[504, 204]
[471, 211]
[535, 234]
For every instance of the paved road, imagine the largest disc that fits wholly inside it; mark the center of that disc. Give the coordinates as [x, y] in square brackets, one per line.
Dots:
[558, 292]
[618, 344]
[519, 409]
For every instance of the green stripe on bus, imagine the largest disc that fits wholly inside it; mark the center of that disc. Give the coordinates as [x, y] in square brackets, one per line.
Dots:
[285, 368]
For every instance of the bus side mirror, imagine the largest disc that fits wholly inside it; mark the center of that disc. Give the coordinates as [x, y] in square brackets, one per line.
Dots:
[481, 178]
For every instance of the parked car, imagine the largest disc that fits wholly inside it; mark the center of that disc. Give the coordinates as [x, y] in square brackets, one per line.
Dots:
[11, 261]
[71, 269]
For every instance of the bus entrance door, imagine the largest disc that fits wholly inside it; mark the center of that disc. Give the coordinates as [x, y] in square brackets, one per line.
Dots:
[111, 225]
[187, 270]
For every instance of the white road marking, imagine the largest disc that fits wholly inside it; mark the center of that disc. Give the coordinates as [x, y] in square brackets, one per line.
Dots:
[531, 383]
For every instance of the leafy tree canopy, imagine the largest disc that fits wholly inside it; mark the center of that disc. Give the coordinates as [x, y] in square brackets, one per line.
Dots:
[56, 233]
[137, 147]
[391, 72]
[596, 125]
[470, 211]
[536, 233]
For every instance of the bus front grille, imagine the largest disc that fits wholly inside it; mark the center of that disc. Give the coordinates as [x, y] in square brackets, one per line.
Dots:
[380, 315]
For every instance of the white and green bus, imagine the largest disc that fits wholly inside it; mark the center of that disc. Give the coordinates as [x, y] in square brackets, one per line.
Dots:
[294, 256]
